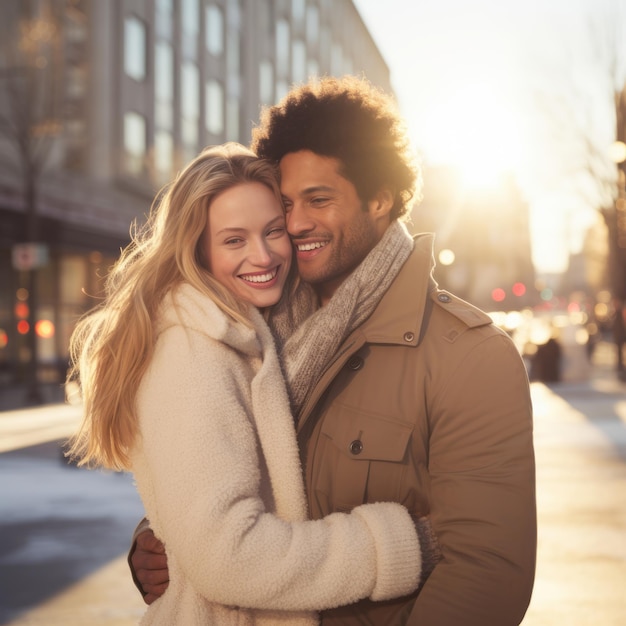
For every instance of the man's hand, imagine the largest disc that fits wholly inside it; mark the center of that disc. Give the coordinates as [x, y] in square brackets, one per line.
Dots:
[149, 564]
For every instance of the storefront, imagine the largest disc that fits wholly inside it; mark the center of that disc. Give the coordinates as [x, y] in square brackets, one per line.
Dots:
[66, 271]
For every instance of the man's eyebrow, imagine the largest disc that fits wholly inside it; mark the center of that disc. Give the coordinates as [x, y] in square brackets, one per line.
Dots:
[307, 191]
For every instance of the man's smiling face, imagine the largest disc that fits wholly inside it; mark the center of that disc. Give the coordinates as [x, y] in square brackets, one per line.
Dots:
[331, 228]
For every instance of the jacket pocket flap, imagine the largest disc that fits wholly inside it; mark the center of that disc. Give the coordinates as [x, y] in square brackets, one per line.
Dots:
[366, 436]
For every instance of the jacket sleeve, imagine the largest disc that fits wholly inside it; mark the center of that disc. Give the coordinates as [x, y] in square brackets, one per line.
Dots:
[482, 492]
[198, 470]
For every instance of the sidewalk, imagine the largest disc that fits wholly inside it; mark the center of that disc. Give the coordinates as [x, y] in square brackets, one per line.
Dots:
[580, 445]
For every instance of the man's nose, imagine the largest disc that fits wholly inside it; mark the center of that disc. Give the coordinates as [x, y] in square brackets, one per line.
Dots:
[298, 221]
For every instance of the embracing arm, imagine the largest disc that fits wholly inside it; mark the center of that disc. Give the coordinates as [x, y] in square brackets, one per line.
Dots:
[199, 474]
[482, 493]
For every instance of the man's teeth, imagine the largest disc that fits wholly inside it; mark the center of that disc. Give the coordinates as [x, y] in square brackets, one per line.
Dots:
[260, 278]
[303, 247]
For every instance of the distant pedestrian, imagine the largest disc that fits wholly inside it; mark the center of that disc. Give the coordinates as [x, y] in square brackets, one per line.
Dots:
[546, 363]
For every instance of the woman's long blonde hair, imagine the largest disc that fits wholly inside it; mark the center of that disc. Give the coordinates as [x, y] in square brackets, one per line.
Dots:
[111, 347]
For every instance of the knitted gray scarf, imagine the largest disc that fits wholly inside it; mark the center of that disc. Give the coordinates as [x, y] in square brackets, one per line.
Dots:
[308, 336]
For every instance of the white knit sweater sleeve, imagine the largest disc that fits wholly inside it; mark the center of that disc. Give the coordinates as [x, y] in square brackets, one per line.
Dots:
[197, 468]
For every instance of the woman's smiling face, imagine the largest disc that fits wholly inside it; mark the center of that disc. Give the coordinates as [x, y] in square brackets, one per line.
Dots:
[246, 243]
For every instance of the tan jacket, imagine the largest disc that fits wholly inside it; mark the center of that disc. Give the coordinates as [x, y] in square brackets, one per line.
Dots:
[428, 404]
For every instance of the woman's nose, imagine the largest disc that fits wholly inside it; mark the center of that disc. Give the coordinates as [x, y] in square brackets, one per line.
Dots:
[261, 254]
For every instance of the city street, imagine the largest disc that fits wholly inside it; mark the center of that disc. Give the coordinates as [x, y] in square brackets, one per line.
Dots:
[64, 531]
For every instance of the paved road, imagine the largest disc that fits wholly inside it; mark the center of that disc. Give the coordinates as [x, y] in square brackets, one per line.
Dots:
[64, 531]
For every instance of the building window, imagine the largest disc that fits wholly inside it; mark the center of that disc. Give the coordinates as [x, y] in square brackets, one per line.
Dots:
[325, 43]
[282, 47]
[190, 27]
[232, 120]
[164, 85]
[134, 142]
[282, 88]
[190, 103]
[214, 114]
[163, 156]
[336, 60]
[297, 10]
[266, 82]
[313, 68]
[214, 31]
[164, 18]
[233, 52]
[312, 25]
[134, 48]
[298, 61]
[348, 66]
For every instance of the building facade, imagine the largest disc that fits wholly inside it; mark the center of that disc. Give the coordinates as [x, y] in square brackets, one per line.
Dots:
[101, 103]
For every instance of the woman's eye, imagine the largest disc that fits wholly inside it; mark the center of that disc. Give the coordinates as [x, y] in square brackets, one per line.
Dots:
[233, 241]
[276, 232]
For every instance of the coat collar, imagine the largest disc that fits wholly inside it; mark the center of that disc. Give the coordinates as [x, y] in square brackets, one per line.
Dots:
[187, 307]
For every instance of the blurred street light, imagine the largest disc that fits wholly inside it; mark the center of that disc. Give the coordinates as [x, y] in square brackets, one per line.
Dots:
[617, 152]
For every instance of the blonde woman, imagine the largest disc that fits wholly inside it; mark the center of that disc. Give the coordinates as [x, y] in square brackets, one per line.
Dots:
[182, 386]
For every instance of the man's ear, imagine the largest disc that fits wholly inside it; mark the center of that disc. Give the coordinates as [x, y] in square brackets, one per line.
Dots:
[381, 204]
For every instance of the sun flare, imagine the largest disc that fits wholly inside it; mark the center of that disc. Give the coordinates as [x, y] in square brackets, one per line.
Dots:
[473, 129]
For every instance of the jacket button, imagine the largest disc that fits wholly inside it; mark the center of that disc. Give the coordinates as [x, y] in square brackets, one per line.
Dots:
[355, 363]
[444, 297]
[409, 336]
[356, 447]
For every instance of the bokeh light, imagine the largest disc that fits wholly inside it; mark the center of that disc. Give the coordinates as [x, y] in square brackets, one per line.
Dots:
[446, 257]
[519, 289]
[44, 329]
[498, 294]
[21, 310]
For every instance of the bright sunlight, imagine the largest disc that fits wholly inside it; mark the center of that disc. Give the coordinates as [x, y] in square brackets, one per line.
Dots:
[474, 132]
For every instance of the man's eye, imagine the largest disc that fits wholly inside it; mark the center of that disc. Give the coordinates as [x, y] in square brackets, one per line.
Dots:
[319, 200]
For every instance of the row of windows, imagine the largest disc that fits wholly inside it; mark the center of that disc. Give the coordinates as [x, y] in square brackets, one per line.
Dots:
[211, 107]
[135, 49]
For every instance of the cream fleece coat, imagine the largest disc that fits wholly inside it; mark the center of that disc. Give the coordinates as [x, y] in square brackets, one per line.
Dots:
[217, 467]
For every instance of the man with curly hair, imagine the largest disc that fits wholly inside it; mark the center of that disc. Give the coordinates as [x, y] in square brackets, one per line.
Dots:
[406, 392]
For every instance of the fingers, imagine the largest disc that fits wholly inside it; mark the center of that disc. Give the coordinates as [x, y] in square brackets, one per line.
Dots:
[143, 560]
[150, 566]
[154, 592]
[148, 542]
[154, 578]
